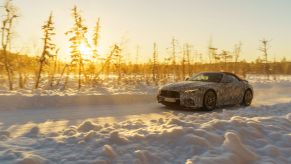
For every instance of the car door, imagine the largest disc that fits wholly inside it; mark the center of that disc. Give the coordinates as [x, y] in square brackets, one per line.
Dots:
[230, 90]
[237, 90]
[224, 90]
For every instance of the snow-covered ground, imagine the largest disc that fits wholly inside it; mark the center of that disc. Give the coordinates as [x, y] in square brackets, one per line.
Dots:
[133, 128]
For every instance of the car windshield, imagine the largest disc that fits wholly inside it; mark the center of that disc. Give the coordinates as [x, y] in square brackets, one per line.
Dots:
[207, 77]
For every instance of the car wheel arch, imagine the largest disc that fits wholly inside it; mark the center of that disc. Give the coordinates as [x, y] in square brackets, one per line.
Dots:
[248, 88]
[210, 89]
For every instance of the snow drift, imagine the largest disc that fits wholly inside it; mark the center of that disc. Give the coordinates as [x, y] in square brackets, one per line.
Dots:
[244, 135]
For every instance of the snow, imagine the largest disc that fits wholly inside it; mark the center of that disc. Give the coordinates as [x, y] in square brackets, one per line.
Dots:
[108, 87]
[133, 128]
[32, 159]
[109, 152]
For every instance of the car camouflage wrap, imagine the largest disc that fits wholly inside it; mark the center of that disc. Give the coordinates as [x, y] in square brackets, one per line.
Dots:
[229, 91]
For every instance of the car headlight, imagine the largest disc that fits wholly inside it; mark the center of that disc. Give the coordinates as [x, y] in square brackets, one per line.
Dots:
[191, 90]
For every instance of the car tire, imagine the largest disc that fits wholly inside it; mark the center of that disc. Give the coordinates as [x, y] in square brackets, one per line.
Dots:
[248, 97]
[209, 100]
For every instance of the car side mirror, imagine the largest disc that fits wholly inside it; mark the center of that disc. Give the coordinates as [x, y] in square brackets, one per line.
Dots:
[187, 78]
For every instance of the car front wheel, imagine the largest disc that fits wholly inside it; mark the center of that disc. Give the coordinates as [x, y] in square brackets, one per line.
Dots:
[209, 102]
[248, 97]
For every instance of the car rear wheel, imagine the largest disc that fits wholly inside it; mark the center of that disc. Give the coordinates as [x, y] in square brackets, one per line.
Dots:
[209, 101]
[248, 97]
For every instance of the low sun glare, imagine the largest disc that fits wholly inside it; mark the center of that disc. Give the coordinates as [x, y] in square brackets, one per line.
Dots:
[87, 52]
[84, 49]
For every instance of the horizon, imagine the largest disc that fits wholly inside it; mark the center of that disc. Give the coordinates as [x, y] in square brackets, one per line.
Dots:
[130, 23]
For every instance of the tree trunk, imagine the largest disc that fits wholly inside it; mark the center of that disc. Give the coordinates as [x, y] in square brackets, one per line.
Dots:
[9, 73]
[38, 75]
[80, 73]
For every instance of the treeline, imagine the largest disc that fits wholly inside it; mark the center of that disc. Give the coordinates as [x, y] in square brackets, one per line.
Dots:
[57, 73]
[46, 70]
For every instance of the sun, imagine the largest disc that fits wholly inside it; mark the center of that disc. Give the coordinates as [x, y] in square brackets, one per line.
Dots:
[84, 49]
[88, 52]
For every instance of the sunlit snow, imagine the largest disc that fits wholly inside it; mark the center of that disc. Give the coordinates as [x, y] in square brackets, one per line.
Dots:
[133, 128]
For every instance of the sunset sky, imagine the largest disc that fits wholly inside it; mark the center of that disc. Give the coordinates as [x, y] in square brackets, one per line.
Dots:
[142, 22]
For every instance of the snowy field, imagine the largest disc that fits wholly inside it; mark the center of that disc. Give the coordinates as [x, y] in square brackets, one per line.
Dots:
[130, 127]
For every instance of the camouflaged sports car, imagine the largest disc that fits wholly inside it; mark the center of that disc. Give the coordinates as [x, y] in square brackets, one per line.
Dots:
[207, 90]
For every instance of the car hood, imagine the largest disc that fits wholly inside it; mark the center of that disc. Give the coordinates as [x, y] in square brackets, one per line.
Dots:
[185, 85]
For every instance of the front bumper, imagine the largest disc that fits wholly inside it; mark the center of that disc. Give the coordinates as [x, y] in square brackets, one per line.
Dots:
[188, 100]
[168, 100]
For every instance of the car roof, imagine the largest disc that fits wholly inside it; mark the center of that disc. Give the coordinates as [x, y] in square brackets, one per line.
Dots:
[223, 72]
[213, 72]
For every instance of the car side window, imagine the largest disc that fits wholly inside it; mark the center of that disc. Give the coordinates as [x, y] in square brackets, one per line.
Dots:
[232, 78]
[229, 79]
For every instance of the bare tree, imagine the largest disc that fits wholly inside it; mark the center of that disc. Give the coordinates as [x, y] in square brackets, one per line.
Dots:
[236, 53]
[225, 56]
[183, 62]
[6, 31]
[77, 38]
[264, 49]
[48, 46]
[188, 58]
[136, 65]
[214, 55]
[54, 69]
[96, 37]
[118, 64]
[115, 50]
[20, 64]
[137, 54]
[174, 45]
[210, 50]
[155, 64]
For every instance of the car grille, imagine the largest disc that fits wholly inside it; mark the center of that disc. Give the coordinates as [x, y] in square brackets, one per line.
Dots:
[170, 94]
